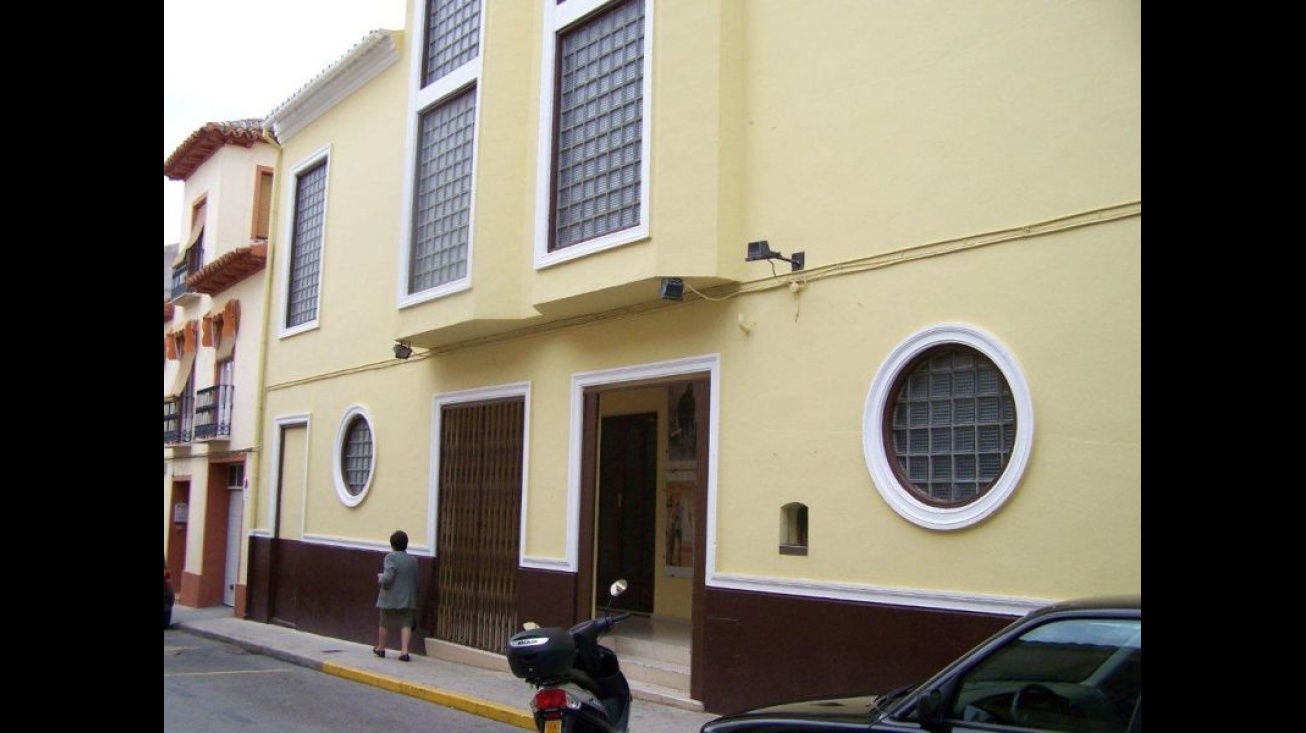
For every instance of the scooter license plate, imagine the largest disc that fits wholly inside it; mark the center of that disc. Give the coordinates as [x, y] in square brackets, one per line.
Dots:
[553, 726]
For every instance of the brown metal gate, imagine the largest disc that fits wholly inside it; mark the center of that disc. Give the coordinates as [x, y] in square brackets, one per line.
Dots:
[480, 506]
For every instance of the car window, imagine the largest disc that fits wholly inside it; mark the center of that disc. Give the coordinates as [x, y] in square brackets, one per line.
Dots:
[1079, 675]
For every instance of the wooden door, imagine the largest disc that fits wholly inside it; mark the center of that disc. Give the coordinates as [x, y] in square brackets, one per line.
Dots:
[627, 510]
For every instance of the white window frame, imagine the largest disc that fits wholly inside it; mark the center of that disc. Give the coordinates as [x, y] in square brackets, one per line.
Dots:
[559, 17]
[290, 200]
[338, 471]
[420, 100]
[881, 396]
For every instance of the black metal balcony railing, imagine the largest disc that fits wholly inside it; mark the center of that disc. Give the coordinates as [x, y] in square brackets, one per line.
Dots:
[178, 420]
[194, 261]
[213, 412]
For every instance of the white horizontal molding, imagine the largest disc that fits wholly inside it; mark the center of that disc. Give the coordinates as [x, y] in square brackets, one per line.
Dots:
[357, 544]
[559, 564]
[913, 597]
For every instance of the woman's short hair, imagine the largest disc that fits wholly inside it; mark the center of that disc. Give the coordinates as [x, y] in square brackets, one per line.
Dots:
[399, 540]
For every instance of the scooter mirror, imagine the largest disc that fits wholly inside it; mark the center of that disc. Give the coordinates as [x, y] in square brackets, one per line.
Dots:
[618, 587]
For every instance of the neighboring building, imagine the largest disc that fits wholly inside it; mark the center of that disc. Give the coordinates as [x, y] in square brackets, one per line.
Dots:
[169, 256]
[212, 319]
[836, 471]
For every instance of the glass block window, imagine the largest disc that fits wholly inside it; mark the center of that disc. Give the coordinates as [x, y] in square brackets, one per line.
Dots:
[953, 426]
[306, 245]
[356, 455]
[599, 135]
[453, 30]
[443, 195]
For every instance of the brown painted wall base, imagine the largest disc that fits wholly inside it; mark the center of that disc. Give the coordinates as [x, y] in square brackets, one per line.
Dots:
[753, 648]
[328, 590]
[546, 597]
[764, 648]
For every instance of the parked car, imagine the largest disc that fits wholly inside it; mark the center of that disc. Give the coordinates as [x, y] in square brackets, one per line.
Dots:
[169, 595]
[1075, 666]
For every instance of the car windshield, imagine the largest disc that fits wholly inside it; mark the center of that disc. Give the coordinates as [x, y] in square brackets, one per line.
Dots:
[1068, 675]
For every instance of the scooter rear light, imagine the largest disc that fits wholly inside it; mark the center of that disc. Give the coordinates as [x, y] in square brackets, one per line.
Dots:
[552, 698]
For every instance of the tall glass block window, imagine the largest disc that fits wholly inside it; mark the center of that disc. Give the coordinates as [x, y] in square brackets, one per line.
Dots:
[953, 425]
[306, 245]
[599, 130]
[453, 30]
[443, 194]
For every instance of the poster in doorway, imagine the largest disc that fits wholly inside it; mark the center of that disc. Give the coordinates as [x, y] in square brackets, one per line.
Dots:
[680, 525]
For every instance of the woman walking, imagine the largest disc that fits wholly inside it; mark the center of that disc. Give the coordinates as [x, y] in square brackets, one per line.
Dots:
[397, 598]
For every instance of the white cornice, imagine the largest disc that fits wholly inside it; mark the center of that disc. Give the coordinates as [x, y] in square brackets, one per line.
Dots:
[360, 65]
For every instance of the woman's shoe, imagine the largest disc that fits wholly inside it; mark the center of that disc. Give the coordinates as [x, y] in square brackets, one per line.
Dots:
[405, 658]
[379, 652]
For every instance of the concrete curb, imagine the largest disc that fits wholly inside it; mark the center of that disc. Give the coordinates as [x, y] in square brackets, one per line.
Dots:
[457, 701]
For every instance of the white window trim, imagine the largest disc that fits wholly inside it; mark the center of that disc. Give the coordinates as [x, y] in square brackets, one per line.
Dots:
[338, 472]
[419, 101]
[557, 18]
[288, 204]
[874, 440]
[519, 389]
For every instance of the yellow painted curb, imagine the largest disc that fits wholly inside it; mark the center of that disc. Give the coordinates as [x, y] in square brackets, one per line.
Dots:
[475, 706]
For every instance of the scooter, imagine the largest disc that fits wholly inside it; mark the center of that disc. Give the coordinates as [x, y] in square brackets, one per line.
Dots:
[579, 684]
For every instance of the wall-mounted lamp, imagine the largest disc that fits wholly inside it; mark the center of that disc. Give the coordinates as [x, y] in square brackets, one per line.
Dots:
[672, 288]
[761, 250]
[403, 350]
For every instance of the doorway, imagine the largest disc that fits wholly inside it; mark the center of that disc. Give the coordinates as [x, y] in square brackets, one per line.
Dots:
[481, 453]
[622, 468]
[627, 510]
[235, 531]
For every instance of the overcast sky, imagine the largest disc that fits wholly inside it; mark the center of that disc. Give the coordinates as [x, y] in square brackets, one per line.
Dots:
[238, 59]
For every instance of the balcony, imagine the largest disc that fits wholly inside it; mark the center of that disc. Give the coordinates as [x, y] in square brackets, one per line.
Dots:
[212, 413]
[178, 420]
[182, 271]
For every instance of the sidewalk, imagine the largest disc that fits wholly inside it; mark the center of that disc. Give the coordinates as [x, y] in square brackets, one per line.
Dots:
[495, 695]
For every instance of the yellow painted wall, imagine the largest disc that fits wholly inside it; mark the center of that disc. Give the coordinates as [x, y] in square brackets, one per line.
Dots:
[870, 126]
[359, 256]
[915, 123]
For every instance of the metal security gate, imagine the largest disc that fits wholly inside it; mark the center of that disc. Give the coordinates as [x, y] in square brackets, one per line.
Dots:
[480, 505]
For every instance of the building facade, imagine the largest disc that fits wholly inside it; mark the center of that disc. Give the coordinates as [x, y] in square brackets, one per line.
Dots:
[818, 322]
[212, 324]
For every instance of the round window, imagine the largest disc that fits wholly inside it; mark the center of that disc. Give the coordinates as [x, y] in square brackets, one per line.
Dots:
[355, 452]
[952, 425]
[947, 427]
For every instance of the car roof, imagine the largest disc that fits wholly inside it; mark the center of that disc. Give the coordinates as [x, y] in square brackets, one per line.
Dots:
[1095, 603]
